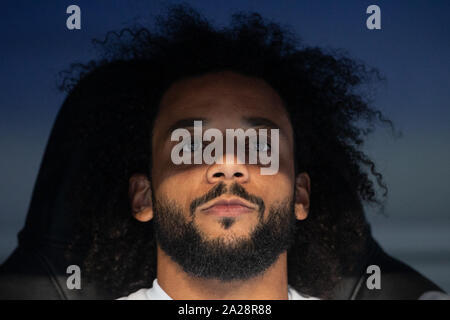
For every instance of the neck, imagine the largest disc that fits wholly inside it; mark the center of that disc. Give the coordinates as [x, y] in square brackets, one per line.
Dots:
[270, 285]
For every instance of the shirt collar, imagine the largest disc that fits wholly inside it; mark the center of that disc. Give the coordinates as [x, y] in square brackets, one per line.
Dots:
[157, 293]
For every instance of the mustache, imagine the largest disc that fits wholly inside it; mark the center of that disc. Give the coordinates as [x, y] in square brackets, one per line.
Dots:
[233, 189]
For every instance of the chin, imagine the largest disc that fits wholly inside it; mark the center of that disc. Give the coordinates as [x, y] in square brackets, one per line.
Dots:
[230, 235]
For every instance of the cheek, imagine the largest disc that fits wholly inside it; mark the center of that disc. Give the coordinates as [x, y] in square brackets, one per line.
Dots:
[275, 187]
[271, 188]
[181, 186]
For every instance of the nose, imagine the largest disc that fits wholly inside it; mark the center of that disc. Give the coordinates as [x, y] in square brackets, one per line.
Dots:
[227, 171]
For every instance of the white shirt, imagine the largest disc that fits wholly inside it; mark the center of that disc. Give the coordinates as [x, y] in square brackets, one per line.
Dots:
[434, 295]
[157, 293]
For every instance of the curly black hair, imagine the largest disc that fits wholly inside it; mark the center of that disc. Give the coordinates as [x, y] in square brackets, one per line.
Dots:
[120, 93]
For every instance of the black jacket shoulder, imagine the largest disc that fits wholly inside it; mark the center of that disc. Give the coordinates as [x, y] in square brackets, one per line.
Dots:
[398, 280]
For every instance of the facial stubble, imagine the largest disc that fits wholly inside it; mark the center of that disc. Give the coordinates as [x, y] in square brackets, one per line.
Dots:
[219, 258]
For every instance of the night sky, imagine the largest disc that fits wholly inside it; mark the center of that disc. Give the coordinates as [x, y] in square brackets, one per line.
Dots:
[412, 50]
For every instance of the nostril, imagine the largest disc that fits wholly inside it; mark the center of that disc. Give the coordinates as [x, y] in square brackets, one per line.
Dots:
[218, 174]
[227, 173]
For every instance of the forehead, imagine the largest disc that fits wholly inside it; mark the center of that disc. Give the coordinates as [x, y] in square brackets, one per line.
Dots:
[224, 99]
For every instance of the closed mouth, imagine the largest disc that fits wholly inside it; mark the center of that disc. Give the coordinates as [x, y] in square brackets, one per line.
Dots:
[228, 207]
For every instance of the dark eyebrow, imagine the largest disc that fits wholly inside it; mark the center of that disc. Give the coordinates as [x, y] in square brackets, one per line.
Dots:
[185, 123]
[261, 122]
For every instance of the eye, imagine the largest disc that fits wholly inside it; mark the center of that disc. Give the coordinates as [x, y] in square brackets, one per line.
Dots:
[261, 146]
[191, 147]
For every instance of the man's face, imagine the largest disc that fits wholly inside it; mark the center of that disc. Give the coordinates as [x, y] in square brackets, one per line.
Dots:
[222, 101]
[223, 220]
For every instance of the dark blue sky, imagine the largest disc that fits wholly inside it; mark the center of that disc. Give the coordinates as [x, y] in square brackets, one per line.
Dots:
[412, 51]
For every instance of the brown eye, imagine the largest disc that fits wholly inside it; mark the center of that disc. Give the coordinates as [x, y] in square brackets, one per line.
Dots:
[191, 147]
[259, 146]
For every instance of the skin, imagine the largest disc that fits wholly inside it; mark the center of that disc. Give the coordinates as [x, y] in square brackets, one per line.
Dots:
[224, 100]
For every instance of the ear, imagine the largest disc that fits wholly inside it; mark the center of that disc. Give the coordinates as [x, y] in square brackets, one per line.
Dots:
[302, 193]
[140, 194]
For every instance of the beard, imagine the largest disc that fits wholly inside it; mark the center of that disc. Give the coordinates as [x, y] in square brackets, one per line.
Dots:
[219, 258]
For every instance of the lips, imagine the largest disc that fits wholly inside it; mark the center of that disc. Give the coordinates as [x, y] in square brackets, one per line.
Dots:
[228, 207]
